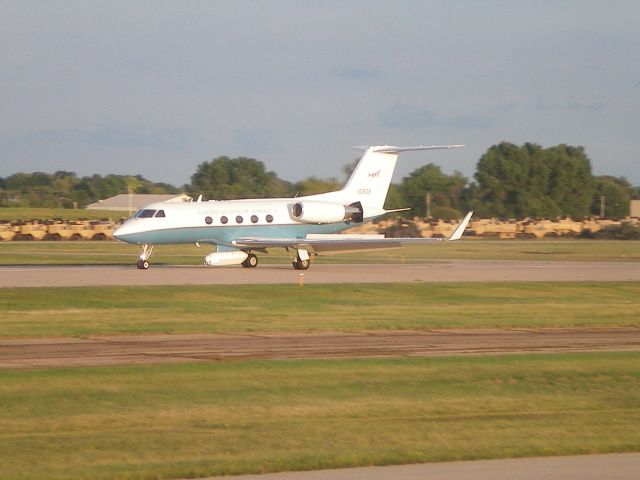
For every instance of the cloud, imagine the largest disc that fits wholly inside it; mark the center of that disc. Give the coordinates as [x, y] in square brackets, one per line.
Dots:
[413, 116]
[110, 136]
[356, 73]
[575, 105]
[255, 141]
[120, 136]
[570, 104]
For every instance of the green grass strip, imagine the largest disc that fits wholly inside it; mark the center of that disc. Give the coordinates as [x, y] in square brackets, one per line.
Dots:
[34, 312]
[194, 420]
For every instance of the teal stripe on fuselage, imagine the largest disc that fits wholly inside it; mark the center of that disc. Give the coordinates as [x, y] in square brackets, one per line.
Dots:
[226, 234]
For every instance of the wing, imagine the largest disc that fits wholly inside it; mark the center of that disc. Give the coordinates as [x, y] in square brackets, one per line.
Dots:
[343, 242]
[329, 242]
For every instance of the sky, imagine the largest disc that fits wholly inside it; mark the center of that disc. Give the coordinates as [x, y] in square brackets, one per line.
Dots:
[158, 87]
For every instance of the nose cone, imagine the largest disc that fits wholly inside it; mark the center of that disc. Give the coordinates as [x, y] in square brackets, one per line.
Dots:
[124, 232]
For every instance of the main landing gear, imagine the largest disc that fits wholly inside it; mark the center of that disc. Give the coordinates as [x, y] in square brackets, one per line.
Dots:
[143, 259]
[250, 262]
[301, 262]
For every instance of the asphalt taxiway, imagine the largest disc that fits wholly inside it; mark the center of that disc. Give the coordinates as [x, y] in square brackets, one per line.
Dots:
[444, 271]
[614, 466]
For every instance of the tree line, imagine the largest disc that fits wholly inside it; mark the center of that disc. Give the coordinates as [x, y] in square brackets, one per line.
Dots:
[66, 190]
[510, 181]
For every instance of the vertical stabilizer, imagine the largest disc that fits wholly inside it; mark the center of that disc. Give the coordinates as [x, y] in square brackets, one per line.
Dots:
[369, 182]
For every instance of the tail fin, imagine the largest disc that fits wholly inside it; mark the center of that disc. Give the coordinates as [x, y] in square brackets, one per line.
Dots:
[369, 182]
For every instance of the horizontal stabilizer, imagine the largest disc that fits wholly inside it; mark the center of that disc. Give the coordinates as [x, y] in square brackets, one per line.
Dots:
[398, 210]
[395, 149]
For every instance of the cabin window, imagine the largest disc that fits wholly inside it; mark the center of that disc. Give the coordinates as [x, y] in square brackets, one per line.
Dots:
[145, 213]
[223, 220]
[239, 219]
[269, 218]
[208, 220]
[254, 219]
[160, 214]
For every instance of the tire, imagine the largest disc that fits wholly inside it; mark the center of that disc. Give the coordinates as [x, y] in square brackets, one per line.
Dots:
[142, 264]
[301, 264]
[250, 262]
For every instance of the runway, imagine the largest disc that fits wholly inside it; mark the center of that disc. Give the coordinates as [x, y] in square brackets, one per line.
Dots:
[444, 271]
[614, 466]
[155, 349]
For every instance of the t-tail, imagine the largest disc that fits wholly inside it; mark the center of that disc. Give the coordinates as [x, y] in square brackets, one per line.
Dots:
[369, 182]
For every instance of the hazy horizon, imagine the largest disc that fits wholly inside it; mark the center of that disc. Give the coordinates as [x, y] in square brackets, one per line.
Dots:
[156, 88]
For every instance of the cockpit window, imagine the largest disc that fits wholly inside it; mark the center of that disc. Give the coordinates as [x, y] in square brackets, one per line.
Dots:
[160, 214]
[145, 213]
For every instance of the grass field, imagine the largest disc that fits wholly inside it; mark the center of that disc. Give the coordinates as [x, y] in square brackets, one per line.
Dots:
[91, 253]
[195, 420]
[30, 312]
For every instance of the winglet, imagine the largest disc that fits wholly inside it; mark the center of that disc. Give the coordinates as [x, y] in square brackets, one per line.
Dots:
[459, 230]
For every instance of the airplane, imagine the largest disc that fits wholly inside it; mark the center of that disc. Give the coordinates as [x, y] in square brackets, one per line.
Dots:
[304, 226]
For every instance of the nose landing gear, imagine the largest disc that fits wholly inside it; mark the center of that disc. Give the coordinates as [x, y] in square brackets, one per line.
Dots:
[143, 259]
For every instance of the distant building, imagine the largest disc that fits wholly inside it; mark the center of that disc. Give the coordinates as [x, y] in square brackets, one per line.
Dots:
[634, 208]
[133, 202]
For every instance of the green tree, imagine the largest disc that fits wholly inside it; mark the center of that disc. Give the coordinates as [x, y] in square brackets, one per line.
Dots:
[445, 191]
[65, 190]
[227, 178]
[531, 181]
[30, 189]
[571, 183]
[395, 199]
[313, 185]
[617, 194]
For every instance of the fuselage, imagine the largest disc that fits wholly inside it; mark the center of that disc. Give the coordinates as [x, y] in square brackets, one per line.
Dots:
[220, 222]
[239, 227]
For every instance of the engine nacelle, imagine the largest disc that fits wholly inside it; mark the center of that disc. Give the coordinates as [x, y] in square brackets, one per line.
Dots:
[323, 212]
[226, 258]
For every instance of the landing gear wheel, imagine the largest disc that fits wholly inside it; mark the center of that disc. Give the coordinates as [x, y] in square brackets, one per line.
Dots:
[142, 264]
[143, 259]
[251, 261]
[301, 264]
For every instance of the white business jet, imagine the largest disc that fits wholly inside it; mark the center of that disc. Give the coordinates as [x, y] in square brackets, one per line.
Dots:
[303, 226]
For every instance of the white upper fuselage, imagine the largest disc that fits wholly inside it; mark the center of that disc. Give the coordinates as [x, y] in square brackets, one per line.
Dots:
[220, 222]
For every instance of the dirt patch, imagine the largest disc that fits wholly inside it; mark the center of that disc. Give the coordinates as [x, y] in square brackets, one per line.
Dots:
[154, 349]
